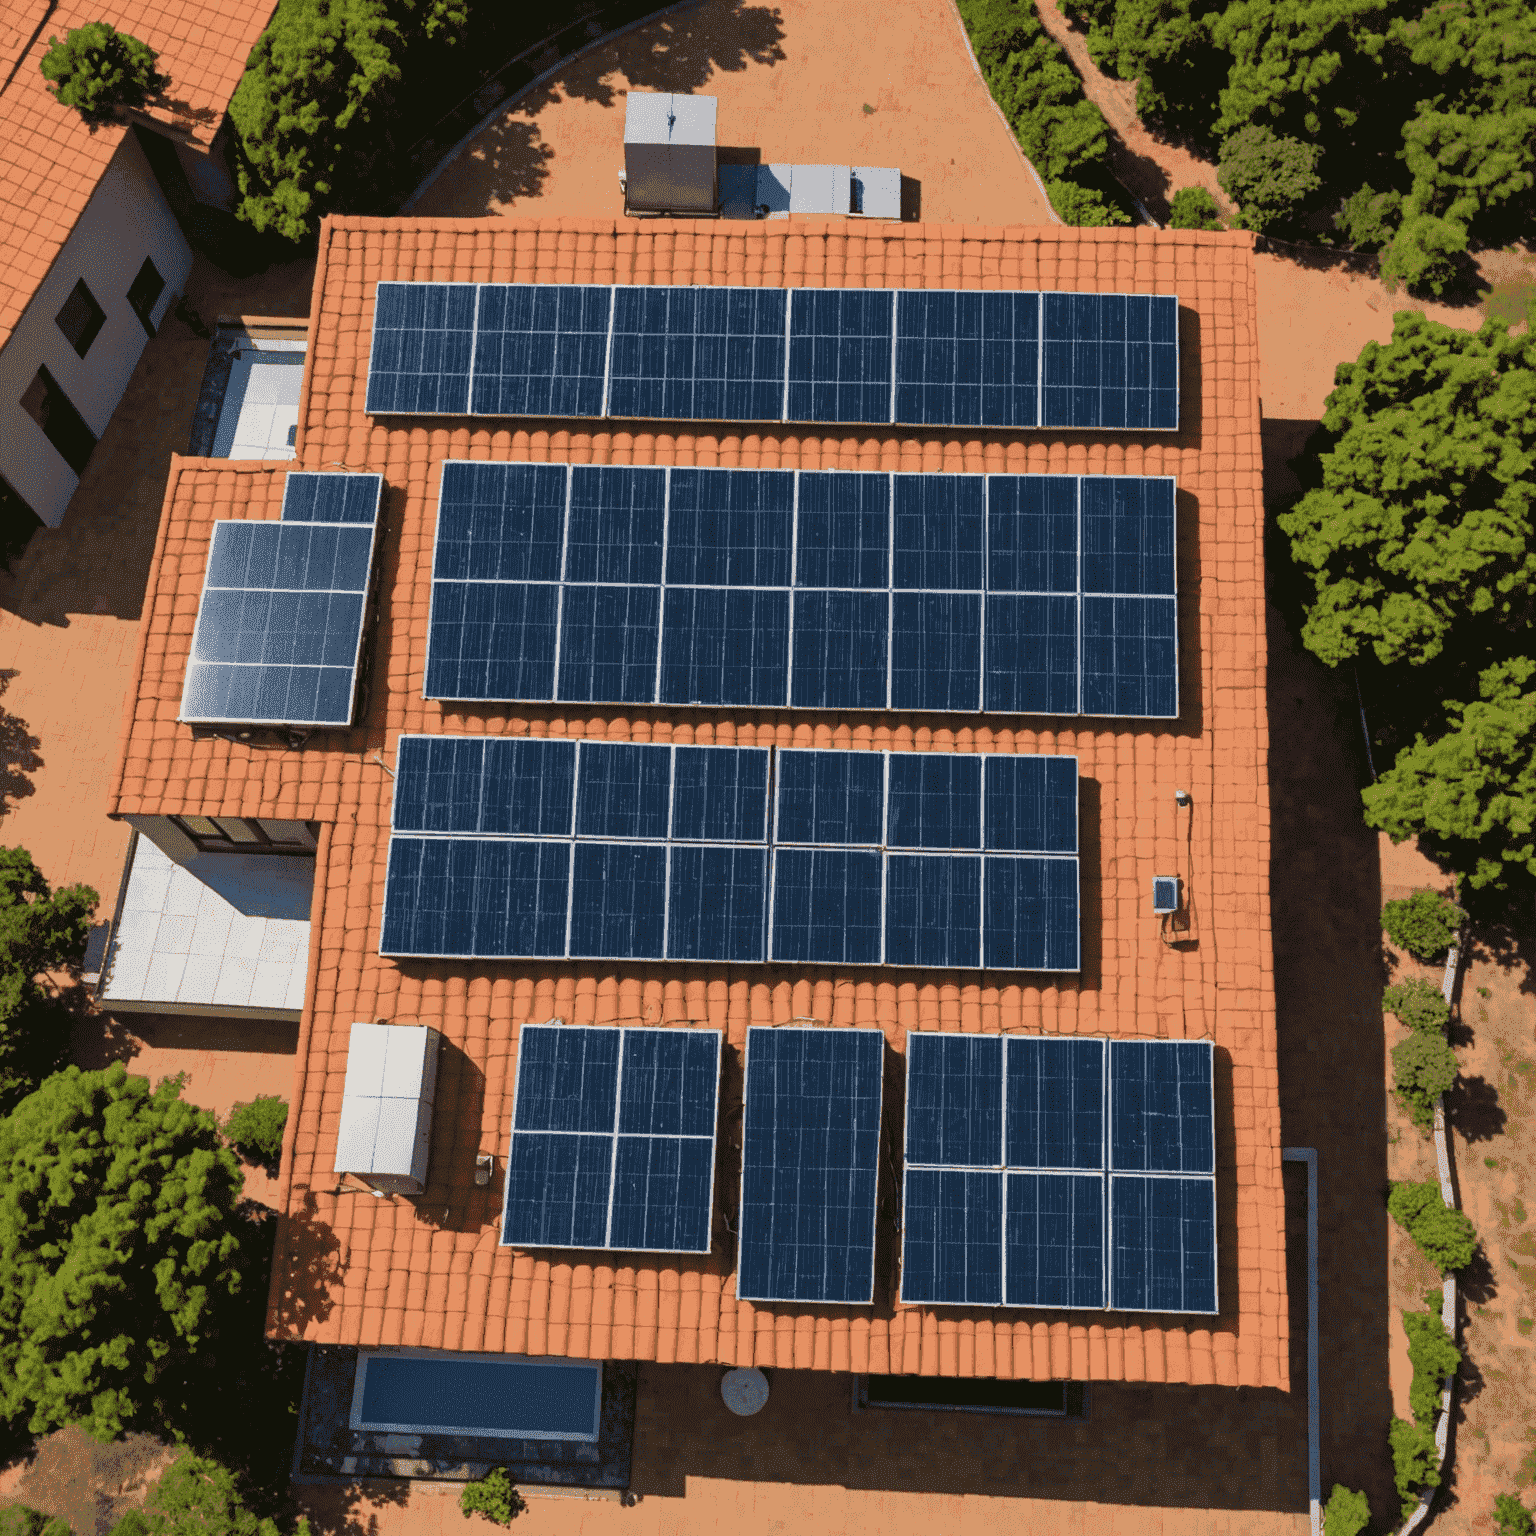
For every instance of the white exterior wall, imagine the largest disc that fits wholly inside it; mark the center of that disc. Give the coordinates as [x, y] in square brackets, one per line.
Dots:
[126, 220]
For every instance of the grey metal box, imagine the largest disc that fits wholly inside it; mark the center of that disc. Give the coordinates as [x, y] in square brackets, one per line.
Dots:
[669, 153]
[386, 1106]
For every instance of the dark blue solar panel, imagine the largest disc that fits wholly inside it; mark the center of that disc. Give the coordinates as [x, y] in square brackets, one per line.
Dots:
[698, 354]
[1030, 914]
[491, 640]
[830, 797]
[933, 800]
[810, 1164]
[1031, 803]
[567, 1079]
[955, 1100]
[936, 651]
[1055, 1103]
[625, 790]
[1130, 657]
[840, 355]
[616, 521]
[661, 1194]
[1160, 1106]
[1128, 535]
[723, 645]
[540, 349]
[1032, 533]
[1109, 360]
[844, 534]
[967, 358]
[475, 897]
[500, 522]
[826, 906]
[1162, 1244]
[940, 531]
[932, 910]
[730, 528]
[720, 794]
[839, 650]
[1055, 1240]
[557, 1191]
[718, 903]
[668, 1083]
[951, 1245]
[1031, 655]
[475, 785]
[607, 645]
[331, 497]
[423, 335]
[619, 901]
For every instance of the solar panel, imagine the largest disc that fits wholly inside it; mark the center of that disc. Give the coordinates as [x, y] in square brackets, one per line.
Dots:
[280, 622]
[922, 357]
[507, 847]
[1052, 1171]
[613, 1139]
[810, 1164]
[612, 584]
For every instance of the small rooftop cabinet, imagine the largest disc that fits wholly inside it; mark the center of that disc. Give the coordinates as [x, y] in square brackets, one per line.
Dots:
[386, 1106]
[669, 153]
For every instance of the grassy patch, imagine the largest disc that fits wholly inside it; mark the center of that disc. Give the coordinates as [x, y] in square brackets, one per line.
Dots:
[1507, 301]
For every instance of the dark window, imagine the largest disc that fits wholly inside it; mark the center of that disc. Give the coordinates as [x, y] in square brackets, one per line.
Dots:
[241, 834]
[55, 413]
[145, 292]
[81, 319]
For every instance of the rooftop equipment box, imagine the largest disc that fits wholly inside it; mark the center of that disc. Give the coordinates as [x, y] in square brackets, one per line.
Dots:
[386, 1106]
[669, 153]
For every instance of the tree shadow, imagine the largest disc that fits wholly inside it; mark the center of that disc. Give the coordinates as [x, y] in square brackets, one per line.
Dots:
[515, 159]
[1472, 1107]
[1141, 176]
[18, 751]
[1477, 1282]
[334, 1509]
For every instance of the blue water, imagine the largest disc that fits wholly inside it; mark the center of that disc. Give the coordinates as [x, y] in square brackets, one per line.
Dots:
[516, 1398]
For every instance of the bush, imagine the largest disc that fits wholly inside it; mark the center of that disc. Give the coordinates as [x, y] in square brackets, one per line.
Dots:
[494, 1497]
[256, 1129]
[1434, 1356]
[1512, 1517]
[1445, 1237]
[97, 68]
[1347, 1513]
[1423, 1068]
[1413, 1461]
[1083, 206]
[1193, 208]
[1368, 219]
[1270, 177]
[1419, 1004]
[197, 1496]
[1424, 924]
[19, 1520]
[1423, 251]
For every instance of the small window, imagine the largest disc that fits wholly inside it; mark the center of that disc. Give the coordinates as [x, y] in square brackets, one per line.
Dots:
[63, 425]
[81, 318]
[240, 834]
[145, 293]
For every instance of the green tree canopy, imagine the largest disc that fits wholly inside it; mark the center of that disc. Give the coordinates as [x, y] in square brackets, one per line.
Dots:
[1445, 1236]
[197, 1496]
[1434, 1356]
[1347, 1513]
[1193, 208]
[1269, 175]
[117, 1242]
[1511, 1517]
[97, 68]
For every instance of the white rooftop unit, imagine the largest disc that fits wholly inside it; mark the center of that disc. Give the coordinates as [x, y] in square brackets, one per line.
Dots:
[386, 1106]
[669, 153]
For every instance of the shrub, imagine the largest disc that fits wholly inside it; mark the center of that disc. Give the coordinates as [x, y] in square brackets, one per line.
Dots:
[494, 1497]
[1347, 1513]
[1424, 924]
[256, 1129]
[1419, 1004]
[133, 1523]
[97, 68]
[1423, 251]
[1445, 1237]
[1511, 1517]
[19, 1520]
[1193, 208]
[1423, 1067]
[197, 1496]
[1434, 1356]
[1083, 206]
[1413, 1461]
[1368, 219]
[1270, 177]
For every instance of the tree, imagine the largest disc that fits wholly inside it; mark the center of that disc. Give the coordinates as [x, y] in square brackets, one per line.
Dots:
[1445, 1236]
[20, 1520]
[1082, 206]
[1268, 175]
[256, 1128]
[1512, 1517]
[1419, 1004]
[197, 1496]
[1425, 923]
[1347, 1512]
[97, 68]
[1423, 1068]
[1434, 1356]
[117, 1244]
[1423, 251]
[40, 930]
[1193, 208]
[1368, 219]
[493, 1496]
[1415, 1461]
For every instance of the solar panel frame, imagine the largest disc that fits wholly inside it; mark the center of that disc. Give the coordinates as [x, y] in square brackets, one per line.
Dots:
[615, 1135]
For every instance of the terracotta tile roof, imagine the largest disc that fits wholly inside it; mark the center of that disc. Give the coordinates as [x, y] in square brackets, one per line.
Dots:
[356, 1270]
[51, 161]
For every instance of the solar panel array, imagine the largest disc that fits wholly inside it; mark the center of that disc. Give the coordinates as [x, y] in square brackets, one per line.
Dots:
[1059, 1172]
[920, 357]
[280, 622]
[509, 848]
[613, 1139]
[612, 584]
[810, 1165]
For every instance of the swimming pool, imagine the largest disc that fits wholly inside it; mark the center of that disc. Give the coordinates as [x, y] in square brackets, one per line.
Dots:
[442, 1392]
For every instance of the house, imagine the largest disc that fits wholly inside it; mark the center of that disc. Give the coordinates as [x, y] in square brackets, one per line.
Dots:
[1184, 797]
[92, 256]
